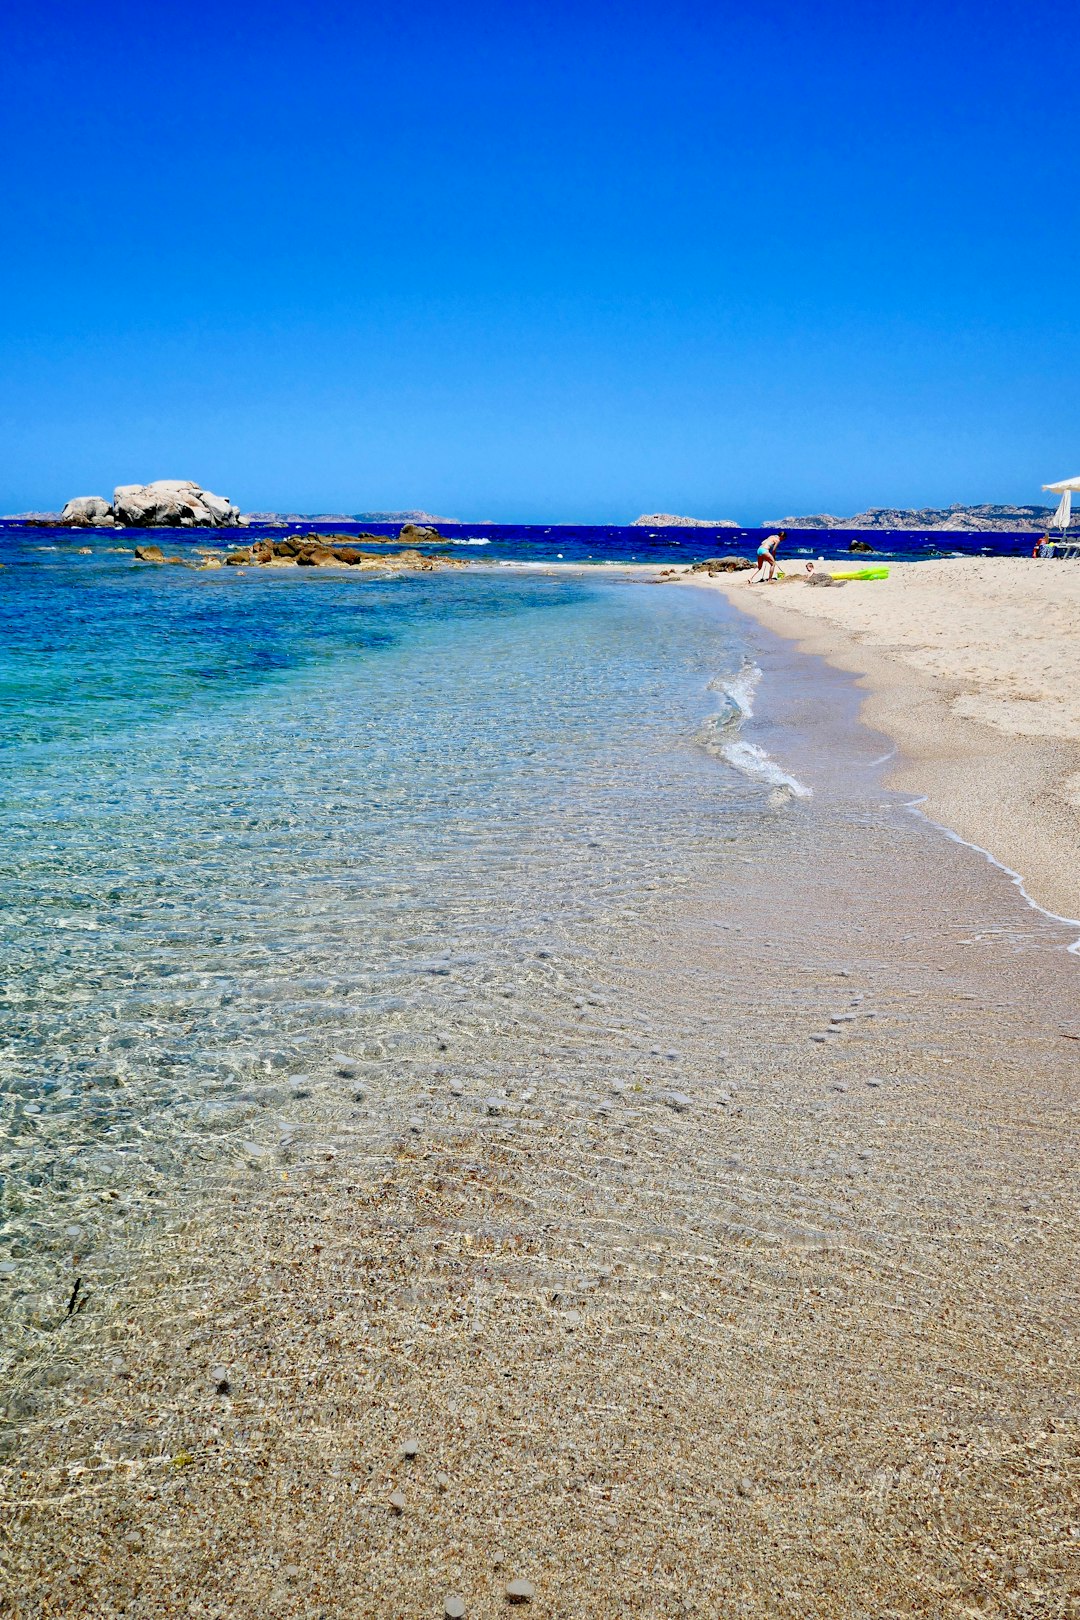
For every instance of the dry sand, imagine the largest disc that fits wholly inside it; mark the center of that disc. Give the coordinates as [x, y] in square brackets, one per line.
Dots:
[972, 666]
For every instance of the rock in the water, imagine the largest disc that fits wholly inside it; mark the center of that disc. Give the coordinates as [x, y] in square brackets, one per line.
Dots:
[721, 565]
[149, 554]
[315, 557]
[860, 545]
[520, 1592]
[420, 534]
[172, 503]
[236, 559]
[87, 509]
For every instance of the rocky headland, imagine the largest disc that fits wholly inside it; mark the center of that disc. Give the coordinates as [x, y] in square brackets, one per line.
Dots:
[988, 519]
[167, 503]
[669, 520]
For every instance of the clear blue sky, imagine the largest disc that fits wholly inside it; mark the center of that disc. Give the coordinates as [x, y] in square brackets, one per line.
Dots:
[558, 261]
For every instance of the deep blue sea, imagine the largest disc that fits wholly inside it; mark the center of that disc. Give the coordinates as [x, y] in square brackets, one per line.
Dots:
[561, 542]
[532, 543]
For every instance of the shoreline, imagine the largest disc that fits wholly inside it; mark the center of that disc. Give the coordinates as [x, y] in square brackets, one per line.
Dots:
[696, 1273]
[952, 657]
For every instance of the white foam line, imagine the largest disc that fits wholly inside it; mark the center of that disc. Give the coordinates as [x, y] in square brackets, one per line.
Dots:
[754, 762]
[884, 760]
[1014, 877]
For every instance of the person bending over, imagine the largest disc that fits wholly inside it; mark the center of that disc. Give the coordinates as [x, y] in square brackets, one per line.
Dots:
[766, 556]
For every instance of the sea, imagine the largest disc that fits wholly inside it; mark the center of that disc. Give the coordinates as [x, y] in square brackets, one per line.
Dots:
[596, 544]
[266, 832]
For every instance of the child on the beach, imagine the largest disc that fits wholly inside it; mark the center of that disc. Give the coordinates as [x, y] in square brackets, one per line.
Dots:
[766, 553]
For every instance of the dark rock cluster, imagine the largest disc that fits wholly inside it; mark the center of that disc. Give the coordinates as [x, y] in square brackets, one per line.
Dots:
[310, 551]
[721, 565]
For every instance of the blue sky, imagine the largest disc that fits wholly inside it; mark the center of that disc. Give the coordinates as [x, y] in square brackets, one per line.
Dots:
[556, 262]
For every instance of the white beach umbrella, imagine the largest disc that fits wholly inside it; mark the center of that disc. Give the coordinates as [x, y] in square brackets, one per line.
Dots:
[1064, 487]
[1063, 515]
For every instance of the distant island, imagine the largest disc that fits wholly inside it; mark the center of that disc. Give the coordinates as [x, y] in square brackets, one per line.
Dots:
[668, 520]
[400, 517]
[988, 519]
[344, 517]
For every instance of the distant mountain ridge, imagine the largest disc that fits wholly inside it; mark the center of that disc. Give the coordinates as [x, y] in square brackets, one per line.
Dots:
[669, 520]
[985, 519]
[344, 517]
[400, 517]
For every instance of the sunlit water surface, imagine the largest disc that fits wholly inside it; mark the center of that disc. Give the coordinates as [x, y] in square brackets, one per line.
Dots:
[252, 823]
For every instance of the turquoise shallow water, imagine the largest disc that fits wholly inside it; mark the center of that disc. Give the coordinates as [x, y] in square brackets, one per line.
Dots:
[249, 822]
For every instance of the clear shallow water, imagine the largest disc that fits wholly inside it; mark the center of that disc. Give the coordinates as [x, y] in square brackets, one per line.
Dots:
[247, 824]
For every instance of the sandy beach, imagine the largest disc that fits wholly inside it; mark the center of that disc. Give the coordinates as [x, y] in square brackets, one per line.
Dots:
[718, 1259]
[972, 667]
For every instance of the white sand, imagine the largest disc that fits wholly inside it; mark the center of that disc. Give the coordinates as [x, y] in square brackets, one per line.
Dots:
[973, 668]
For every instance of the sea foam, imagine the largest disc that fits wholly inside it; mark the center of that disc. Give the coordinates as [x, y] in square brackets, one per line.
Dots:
[748, 758]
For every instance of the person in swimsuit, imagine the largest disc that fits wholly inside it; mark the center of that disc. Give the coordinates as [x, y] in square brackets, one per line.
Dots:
[766, 553]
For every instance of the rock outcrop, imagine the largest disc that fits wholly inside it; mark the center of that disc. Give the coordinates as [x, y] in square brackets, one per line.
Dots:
[316, 551]
[87, 511]
[668, 520]
[174, 503]
[421, 535]
[722, 565]
[306, 551]
[154, 554]
[168, 503]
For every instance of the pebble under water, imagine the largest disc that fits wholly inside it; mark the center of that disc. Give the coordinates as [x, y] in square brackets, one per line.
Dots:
[260, 833]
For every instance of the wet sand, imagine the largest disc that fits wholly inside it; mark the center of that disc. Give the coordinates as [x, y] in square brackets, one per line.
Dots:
[972, 667]
[776, 1319]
